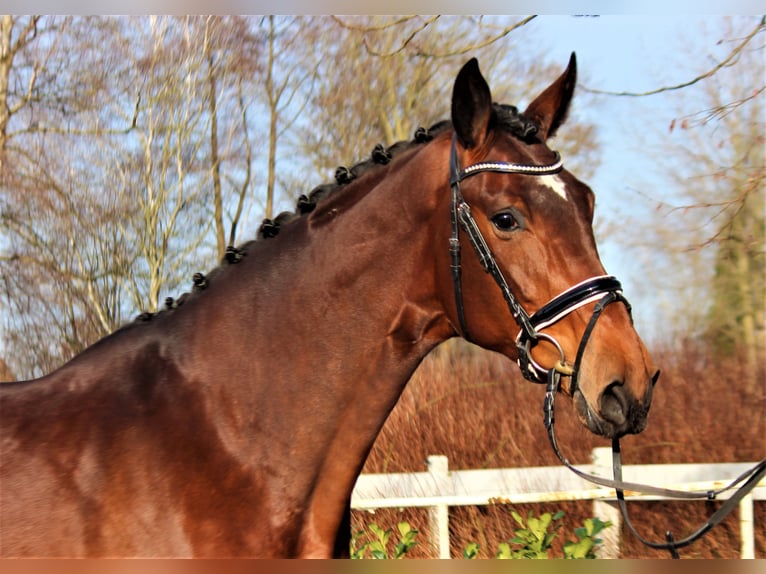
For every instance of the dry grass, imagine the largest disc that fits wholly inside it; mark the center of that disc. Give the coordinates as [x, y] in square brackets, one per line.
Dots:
[474, 407]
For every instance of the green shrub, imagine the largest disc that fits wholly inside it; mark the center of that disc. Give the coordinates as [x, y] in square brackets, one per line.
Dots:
[586, 539]
[375, 541]
[531, 540]
[535, 535]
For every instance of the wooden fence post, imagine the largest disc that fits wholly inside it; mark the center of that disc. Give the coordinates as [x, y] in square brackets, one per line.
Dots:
[746, 532]
[606, 511]
[438, 516]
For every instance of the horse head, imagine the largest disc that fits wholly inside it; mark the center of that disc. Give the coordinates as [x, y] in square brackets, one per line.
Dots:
[533, 287]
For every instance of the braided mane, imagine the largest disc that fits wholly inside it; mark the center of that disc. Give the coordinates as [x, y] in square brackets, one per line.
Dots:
[504, 116]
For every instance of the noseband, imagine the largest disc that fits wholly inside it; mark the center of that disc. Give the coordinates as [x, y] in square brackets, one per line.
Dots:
[603, 289]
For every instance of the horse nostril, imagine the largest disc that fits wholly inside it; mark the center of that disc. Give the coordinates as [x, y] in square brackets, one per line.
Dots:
[615, 404]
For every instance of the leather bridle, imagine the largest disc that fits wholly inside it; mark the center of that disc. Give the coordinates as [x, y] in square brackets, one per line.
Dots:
[603, 290]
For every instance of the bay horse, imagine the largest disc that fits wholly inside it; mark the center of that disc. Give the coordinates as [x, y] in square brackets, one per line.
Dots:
[235, 422]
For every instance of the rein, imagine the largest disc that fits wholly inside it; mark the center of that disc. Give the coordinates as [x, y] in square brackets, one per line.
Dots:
[603, 290]
[751, 478]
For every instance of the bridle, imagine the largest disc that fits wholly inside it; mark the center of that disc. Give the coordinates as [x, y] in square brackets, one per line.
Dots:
[603, 290]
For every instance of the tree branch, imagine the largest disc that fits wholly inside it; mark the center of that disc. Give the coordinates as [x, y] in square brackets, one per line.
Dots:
[718, 112]
[492, 39]
[408, 40]
[725, 62]
[378, 28]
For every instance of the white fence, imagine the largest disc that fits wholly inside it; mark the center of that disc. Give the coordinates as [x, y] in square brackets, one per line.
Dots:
[439, 488]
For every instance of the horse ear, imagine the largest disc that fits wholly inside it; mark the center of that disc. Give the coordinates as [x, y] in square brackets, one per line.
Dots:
[549, 110]
[471, 105]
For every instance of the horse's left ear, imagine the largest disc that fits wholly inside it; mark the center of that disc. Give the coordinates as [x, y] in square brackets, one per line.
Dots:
[549, 110]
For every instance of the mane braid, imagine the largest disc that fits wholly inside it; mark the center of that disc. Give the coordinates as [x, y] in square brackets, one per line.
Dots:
[510, 119]
[504, 116]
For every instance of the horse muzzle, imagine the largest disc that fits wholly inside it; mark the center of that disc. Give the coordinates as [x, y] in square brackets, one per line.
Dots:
[618, 412]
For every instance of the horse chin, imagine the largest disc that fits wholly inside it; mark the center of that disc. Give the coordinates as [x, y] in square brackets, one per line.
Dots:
[591, 420]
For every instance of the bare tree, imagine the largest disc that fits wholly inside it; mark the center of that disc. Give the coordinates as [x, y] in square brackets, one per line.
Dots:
[58, 294]
[189, 160]
[106, 184]
[383, 77]
[161, 168]
[15, 35]
[231, 49]
[709, 231]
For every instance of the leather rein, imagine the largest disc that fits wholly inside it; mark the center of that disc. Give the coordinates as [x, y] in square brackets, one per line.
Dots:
[603, 290]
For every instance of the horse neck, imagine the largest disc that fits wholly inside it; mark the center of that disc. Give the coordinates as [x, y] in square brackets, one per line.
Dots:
[329, 328]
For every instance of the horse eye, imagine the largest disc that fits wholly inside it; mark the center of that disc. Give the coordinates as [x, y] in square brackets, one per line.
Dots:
[505, 221]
